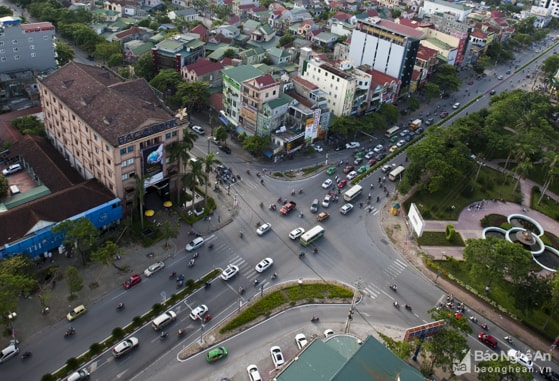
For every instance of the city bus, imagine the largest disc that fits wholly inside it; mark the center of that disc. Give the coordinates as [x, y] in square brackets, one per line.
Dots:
[353, 192]
[312, 235]
[392, 131]
[396, 173]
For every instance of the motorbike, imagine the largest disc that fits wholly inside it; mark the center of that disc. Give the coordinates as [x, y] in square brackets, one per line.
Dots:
[279, 200]
[301, 254]
[181, 332]
[396, 304]
[191, 262]
[25, 355]
[241, 234]
[207, 318]
[484, 326]
[69, 332]
[173, 275]
[301, 215]
[314, 319]
[120, 306]
[508, 339]
[207, 284]
[300, 191]
[163, 335]
[274, 276]
[315, 250]
[248, 171]
[241, 290]
[408, 307]
[196, 255]
[393, 287]
[473, 319]
[256, 281]
[211, 246]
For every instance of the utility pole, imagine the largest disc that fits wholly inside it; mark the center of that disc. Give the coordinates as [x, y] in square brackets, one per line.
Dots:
[356, 295]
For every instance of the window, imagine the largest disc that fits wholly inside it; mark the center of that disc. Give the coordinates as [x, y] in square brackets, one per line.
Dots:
[131, 149]
[95, 137]
[96, 150]
[107, 148]
[122, 151]
[130, 161]
[124, 176]
[167, 136]
[174, 133]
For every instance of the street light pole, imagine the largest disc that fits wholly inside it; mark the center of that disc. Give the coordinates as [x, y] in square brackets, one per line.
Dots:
[12, 316]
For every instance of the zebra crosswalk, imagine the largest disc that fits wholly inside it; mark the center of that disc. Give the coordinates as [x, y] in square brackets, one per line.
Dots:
[248, 271]
[371, 291]
[372, 210]
[396, 268]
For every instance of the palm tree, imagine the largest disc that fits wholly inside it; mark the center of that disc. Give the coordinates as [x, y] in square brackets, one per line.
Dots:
[138, 199]
[552, 171]
[194, 177]
[180, 151]
[209, 160]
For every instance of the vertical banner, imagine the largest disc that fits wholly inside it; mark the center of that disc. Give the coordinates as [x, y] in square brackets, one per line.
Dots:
[153, 159]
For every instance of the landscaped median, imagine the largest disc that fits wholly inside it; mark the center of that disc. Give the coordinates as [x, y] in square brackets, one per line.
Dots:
[273, 301]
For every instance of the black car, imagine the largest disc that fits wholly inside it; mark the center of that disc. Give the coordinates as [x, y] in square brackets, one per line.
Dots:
[225, 149]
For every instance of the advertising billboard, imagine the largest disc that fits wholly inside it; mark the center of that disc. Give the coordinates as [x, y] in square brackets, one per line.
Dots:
[152, 161]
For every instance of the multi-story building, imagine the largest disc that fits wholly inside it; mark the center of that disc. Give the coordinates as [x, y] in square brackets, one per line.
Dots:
[26, 46]
[459, 11]
[385, 46]
[177, 51]
[255, 93]
[338, 85]
[113, 130]
[553, 5]
[232, 101]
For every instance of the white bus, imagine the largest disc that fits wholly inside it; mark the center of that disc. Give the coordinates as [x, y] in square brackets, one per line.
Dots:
[353, 192]
[392, 131]
[312, 235]
[396, 173]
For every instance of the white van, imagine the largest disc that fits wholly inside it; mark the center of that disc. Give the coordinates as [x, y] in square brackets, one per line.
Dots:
[163, 320]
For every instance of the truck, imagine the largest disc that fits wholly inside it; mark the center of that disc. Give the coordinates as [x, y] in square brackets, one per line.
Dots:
[414, 125]
[288, 207]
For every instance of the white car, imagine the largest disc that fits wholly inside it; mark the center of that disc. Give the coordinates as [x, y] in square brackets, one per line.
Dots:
[328, 333]
[264, 228]
[253, 373]
[277, 356]
[351, 145]
[369, 155]
[378, 148]
[301, 340]
[296, 233]
[229, 272]
[346, 208]
[11, 169]
[317, 148]
[327, 183]
[326, 201]
[154, 268]
[520, 358]
[78, 375]
[125, 346]
[198, 312]
[385, 168]
[456, 105]
[401, 143]
[195, 244]
[264, 264]
[198, 129]
[351, 175]
[10, 351]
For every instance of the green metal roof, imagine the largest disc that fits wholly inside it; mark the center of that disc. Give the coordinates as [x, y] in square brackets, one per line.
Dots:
[343, 358]
[142, 49]
[241, 73]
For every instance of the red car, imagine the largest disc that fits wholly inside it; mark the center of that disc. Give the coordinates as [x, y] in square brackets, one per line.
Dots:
[348, 169]
[342, 183]
[488, 340]
[134, 280]
[372, 162]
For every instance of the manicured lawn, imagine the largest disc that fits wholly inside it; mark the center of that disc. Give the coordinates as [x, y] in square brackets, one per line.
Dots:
[439, 239]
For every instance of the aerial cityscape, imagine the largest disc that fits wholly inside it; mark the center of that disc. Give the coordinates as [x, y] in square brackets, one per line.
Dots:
[260, 190]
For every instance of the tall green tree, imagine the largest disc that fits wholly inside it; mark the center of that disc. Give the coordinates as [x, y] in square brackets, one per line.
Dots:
[432, 91]
[389, 112]
[64, 53]
[144, 68]
[209, 161]
[79, 234]
[106, 253]
[256, 144]
[167, 81]
[446, 77]
[169, 230]
[74, 280]
[194, 95]
[194, 178]
[220, 134]
[552, 171]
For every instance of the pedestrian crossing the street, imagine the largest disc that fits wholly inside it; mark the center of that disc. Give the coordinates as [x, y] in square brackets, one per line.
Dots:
[396, 268]
[372, 210]
[371, 291]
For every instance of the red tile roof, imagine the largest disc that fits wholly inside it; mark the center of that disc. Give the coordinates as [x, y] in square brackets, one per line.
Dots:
[478, 33]
[305, 83]
[400, 29]
[426, 53]
[199, 29]
[203, 66]
[129, 31]
[265, 81]
[342, 16]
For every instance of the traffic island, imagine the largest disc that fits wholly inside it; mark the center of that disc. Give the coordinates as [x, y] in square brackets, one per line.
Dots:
[271, 302]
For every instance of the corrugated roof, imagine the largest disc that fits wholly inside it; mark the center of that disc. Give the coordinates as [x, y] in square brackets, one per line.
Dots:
[242, 73]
